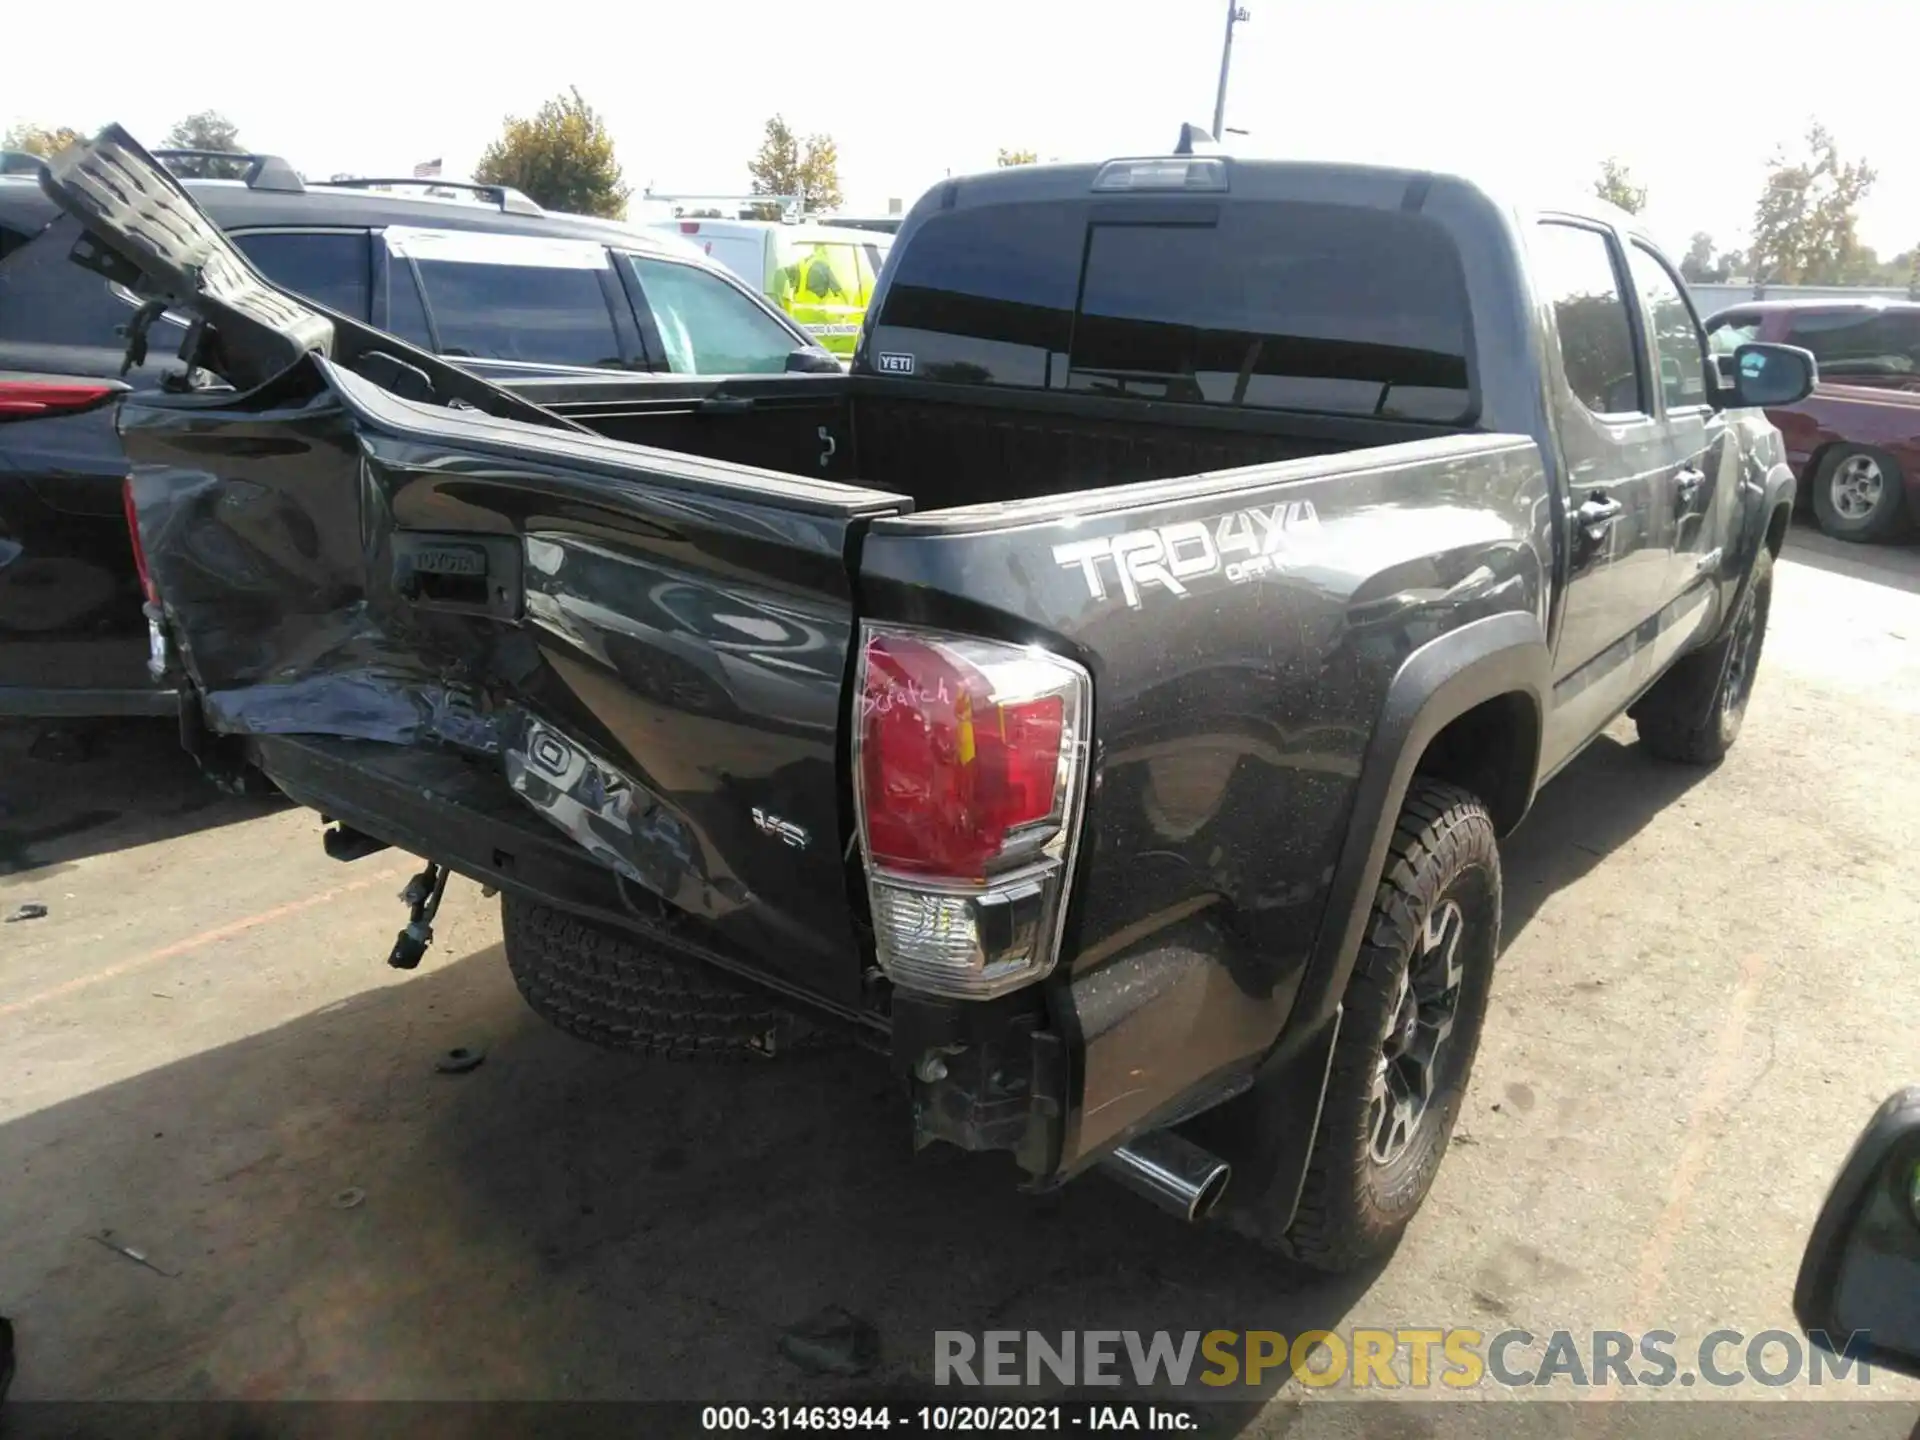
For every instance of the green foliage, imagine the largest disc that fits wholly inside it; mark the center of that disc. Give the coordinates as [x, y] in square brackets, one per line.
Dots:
[1017, 157]
[39, 140]
[1615, 185]
[784, 167]
[562, 157]
[205, 130]
[1804, 223]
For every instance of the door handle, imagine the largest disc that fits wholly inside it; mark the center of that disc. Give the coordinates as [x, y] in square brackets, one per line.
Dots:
[1689, 482]
[1598, 510]
[724, 405]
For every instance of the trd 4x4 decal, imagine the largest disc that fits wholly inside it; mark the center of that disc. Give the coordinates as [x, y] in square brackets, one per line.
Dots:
[1241, 545]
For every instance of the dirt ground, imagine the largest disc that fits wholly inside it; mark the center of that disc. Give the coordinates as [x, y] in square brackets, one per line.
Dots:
[1707, 986]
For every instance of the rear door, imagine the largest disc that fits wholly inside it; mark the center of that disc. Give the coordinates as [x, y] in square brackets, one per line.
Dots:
[505, 305]
[651, 649]
[1616, 455]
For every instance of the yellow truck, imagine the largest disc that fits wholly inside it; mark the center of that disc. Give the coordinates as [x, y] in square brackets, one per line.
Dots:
[820, 274]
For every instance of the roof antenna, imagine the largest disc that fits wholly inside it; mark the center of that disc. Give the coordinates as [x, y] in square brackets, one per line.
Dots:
[1195, 141]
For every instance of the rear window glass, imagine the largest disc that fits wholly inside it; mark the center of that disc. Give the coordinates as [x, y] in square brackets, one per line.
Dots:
[329, 268]
[533, 314]
[1268, 305]
[1860, 343]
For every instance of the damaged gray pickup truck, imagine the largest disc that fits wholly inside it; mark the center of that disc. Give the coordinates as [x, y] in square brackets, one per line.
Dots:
[1106, 699]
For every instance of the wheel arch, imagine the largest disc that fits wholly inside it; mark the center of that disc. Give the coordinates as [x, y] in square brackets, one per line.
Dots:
[1486, 682]
[1468, 707]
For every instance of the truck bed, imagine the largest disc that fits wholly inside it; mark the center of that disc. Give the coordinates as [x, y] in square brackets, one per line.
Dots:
[940, 445]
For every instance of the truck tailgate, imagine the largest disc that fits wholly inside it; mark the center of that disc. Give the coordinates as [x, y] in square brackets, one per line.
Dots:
[652, 648]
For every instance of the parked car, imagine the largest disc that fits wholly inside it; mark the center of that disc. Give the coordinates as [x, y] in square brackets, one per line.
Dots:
[820, 274]
[1855, 442]
[491, 280]
[1109, 699]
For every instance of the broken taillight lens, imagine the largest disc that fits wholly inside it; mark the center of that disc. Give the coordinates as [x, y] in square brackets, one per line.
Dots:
[24, 399]
[148, 590]
[970, 764]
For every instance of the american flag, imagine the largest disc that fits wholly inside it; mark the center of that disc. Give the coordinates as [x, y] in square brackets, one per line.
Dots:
[427, 170]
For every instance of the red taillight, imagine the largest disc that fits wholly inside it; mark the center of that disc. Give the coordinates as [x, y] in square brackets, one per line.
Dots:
[970, 762]
[949, 773]
[139, 551]
[50, 397]
[689, 227]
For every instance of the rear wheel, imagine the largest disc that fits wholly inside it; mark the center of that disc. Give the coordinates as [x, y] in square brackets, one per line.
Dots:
[609, 988]
[1410, 1026]
[1693, 713]
[1859, 494]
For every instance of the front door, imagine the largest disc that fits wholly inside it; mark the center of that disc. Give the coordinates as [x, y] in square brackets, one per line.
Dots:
[1702, 478]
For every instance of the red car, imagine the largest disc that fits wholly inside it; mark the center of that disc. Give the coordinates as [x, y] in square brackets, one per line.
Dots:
[1854, 442]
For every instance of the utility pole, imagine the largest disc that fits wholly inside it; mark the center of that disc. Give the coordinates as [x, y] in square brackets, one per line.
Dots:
[1236, 14]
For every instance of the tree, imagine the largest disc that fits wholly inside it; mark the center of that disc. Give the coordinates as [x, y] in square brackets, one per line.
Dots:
[784, 167]
[1804, 224]
[39, 140]
[562, 157]
[1018, 157]
[205, 130]
[1615, 185]
[1702, 266]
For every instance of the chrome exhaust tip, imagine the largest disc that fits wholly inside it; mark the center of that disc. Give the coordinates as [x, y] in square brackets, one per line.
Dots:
[1171, 1171]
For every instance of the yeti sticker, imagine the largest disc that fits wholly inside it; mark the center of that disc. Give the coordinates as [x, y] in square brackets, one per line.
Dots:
[893, 363]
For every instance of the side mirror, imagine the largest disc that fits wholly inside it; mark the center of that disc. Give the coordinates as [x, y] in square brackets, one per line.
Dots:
[1859, 1285]
[809, 360]
[1768, 375]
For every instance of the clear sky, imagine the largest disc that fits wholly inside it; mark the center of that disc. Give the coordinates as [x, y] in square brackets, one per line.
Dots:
[1694, 95]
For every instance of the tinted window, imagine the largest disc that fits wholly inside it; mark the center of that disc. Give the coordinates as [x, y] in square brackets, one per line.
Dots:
[1865, 343]
[1573, 267]
[1258, 304]
[1676, 339]
[1297, 307]
[706, 326]
[331, 269]
[987, 295]
[405, 315]
[538, 315]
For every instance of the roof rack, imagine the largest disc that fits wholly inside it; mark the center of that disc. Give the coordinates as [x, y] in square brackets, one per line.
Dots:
[264, 172]
[510, 200]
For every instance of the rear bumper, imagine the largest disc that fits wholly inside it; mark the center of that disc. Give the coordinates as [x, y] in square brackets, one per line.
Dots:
[78, 679]
[460, 813]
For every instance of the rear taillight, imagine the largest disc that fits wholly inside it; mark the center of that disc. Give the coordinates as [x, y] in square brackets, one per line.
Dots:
[970, 761]
[689, 227]
[23, 398]
[147, 589]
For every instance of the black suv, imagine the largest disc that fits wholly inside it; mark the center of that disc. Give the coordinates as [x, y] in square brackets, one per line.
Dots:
[480, 274]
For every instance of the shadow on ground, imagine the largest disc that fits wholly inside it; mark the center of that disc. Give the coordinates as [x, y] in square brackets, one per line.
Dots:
[1592, 808]
[559, 1223]
[77, 788]
[337, 1219]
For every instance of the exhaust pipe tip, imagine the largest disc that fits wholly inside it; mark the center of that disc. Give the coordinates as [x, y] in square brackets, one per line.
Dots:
[1172, 1172]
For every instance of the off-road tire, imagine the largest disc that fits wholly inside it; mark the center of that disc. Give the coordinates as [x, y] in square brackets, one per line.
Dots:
[1887, 520]
[1444, 853]
[610, 989]
[1693, 713]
